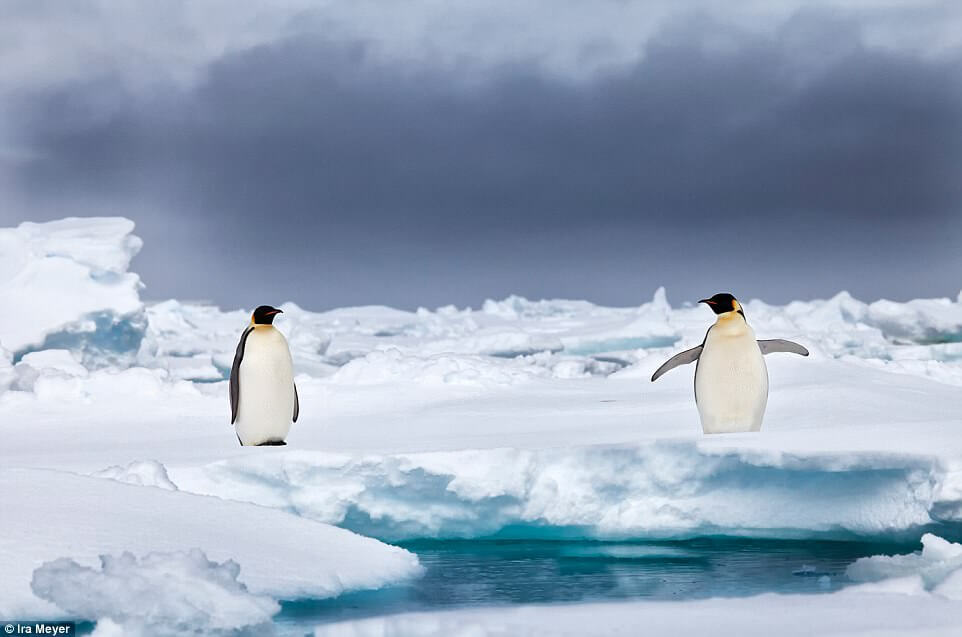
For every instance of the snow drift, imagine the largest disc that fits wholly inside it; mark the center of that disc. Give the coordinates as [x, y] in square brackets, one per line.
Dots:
[937, 568]
[68, 280]
[842, 614]
[49, 515]
[160, 594]
[659, 490]
[144, 473]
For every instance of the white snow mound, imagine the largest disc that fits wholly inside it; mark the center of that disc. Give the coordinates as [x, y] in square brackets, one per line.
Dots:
[49, 515]
[936, 568]
[68, 280]
[143, 473]
[159, 594]
[841, 614]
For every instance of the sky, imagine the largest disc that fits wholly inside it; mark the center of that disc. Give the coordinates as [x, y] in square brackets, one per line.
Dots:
[428, 153]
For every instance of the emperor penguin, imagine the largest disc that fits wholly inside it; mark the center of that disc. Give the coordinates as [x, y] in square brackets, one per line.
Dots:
[263, 397]
[731, 379]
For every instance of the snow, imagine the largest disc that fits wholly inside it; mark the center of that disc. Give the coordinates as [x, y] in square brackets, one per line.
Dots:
[7, 374]
[657, 490]
[391, 366]
[452, 422]
[456, 422]
[49, 363]
[145, 473]
[937, 568]
[49, 515]
[159, 594]
[842, 614]
[68, 283]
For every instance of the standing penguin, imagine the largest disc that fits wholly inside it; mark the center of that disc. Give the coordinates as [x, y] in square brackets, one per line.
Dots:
[731, 379]
[263, 397]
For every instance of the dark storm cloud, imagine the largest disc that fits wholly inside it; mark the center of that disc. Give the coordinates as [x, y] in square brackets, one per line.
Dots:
[310, 170]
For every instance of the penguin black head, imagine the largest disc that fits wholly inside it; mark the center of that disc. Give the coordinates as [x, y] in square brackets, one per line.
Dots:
[723, 302]
[264, 315]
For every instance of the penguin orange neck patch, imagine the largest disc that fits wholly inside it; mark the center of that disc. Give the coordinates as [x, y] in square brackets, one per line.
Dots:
[734, 315]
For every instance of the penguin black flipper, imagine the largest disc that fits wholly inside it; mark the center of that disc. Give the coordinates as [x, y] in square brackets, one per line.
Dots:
[297, 404]
[235, 375]
[781, 345]
[684, 358]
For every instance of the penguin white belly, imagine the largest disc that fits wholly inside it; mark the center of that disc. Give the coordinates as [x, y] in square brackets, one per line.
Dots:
[266, 403]
[731, 380]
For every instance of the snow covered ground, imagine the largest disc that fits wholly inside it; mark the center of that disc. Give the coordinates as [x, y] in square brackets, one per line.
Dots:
[452, 422]
[847, 613]
[51, 514]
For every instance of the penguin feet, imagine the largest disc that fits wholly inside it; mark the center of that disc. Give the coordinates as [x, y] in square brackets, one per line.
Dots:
[272, 443]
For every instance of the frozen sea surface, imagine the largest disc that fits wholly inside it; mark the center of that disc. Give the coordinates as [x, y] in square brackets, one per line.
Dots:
[522, 419]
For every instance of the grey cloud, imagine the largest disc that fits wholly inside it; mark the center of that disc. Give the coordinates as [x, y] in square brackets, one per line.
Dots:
[310, 170]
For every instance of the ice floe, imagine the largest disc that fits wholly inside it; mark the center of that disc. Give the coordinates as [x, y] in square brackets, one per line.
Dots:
[450, 422]
[841, 614]
[660, 490]
[936, 568]
[158, 594]
[69, 283]
[49, 515]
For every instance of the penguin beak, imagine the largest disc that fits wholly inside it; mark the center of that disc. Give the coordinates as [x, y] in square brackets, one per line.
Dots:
[273, 312]
[708, 301]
